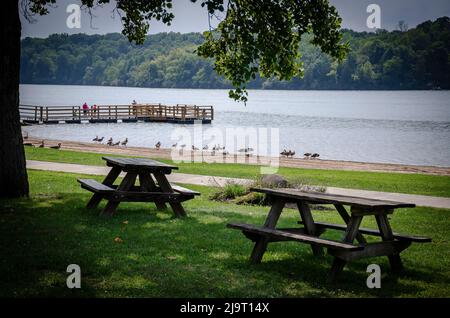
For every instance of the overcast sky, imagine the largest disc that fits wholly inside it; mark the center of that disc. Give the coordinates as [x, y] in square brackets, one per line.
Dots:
[192, 18]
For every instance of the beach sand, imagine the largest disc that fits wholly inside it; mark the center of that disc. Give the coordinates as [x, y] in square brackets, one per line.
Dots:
[206, 156]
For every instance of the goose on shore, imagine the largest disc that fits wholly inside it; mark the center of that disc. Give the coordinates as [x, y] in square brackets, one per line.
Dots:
[194, 148]
[116, 143]
[26, 136]
[57, 146]
[307, 155]
[174, 145]
[95, 139]
[124, 143]
[205, 147]
[158, 145]
[100, 139]
[42, 144]
[283, 153]
[315, 155]
[183, 145]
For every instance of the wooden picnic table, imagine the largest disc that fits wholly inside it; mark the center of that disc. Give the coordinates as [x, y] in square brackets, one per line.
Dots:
[153, 185]
[343, 251]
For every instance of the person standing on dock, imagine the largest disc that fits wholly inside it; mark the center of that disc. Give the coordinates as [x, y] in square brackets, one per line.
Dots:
[93, 109]
[85, 108]
[134, 108]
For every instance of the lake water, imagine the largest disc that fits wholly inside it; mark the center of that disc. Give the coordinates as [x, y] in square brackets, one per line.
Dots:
[411, 127]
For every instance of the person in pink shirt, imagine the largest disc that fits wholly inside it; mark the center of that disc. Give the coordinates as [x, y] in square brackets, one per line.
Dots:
[85, 108]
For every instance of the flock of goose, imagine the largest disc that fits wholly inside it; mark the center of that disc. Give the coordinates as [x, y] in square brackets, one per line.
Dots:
[41, 145]
[111, 142]
[216, 148]
[311, 155]
[290, 154]
[287, 153]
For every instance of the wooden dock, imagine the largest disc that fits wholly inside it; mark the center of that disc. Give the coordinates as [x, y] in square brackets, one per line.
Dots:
[183, 114]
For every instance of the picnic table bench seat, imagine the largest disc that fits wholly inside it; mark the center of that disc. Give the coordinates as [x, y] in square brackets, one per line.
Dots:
[363, 230]
[183, 190]
[98, 187]
[289, 236]
[112, 193]
[95, 186]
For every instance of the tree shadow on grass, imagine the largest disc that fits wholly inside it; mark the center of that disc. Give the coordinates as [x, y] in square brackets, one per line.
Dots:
[302, 266]
[161, 256]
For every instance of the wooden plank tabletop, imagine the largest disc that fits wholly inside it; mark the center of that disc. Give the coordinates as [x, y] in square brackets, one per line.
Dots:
[324, 198]
[138, 163]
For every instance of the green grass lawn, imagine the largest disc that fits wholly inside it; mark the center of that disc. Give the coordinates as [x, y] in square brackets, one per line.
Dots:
[192, 257]
[377, 181]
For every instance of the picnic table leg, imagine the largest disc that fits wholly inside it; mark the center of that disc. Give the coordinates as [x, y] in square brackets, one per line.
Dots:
[310, 227]
[125, 185]
[147, 184]
[346, 217]
[261, 244]
[109, 180]
[177, 208]
[386, 235]
[350, 234]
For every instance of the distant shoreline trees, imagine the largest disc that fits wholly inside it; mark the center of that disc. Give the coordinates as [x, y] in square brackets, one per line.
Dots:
[416, 58]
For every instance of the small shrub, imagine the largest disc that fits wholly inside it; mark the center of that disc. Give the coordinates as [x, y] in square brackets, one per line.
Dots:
[229, 192]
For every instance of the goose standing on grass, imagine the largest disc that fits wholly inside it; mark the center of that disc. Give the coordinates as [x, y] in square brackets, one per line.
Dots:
[158, 145]
[42, 144]
[57, 146]
[124, 143]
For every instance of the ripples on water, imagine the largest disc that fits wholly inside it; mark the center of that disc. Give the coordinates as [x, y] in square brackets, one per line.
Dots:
[390, 127]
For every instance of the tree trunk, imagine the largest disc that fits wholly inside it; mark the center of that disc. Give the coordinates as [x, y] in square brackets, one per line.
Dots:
[13, 173]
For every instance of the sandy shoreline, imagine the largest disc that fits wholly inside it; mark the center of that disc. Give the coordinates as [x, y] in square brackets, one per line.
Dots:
[283, 162]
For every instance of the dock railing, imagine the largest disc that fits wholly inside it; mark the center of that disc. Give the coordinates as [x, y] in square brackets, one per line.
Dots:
[109, 113]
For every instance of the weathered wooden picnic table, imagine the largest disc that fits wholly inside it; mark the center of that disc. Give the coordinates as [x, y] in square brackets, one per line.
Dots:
[343, 251]
[153, 185]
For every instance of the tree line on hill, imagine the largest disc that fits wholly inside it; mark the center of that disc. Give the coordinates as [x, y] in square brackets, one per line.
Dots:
[418, 58]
